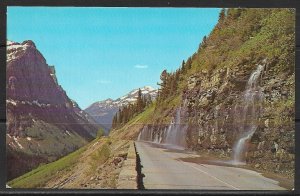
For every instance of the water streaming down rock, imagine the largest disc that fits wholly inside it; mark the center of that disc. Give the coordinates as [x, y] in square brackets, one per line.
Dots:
[172, 136]
[176, 131]
[247, 118]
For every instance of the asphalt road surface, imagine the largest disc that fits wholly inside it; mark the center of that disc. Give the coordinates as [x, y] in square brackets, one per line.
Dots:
[163, 170]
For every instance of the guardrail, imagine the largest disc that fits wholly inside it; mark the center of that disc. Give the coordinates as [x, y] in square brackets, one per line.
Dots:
[128, 177]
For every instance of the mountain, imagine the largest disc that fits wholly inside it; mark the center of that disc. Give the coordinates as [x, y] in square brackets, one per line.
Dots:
[231, 102]
[43, 123]
[234, 97]
[104, 111]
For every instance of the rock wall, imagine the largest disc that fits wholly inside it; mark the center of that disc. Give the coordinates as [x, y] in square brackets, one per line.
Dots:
[215, 103]
[213, 81]
[213, 90]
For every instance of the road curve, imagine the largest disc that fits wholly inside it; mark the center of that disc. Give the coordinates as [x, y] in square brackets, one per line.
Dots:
[163, 170]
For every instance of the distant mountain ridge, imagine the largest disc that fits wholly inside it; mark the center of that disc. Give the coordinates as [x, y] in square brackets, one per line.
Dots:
[104, 111]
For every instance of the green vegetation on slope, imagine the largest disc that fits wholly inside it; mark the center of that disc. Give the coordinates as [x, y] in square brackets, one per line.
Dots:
[42, 143]
[39, 176]
[240, 39]
[211, 83]
[127, 112]
[100, 156]
[249, 36]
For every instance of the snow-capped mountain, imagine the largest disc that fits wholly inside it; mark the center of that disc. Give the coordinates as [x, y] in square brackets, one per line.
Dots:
[104, 111]
[131, 97]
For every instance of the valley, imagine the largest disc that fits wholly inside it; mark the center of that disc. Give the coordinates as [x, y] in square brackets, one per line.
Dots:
[223, 120]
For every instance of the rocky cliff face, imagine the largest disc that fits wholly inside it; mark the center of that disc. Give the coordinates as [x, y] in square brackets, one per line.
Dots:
[104, 111]
[42, 122]
[216, 110]
[239, 89]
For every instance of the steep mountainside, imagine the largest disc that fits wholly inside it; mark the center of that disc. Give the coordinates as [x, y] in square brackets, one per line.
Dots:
[43, 124]
[104, 111]
[235, 96]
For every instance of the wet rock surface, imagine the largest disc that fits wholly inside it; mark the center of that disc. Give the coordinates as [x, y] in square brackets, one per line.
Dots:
[215, 106]
[217, 109]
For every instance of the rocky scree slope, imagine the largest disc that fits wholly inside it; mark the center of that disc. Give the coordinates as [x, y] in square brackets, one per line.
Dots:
[212, 90]
[104, 111]
[43, 123]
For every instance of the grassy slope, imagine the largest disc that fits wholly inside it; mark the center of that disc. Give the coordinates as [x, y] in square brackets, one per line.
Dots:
[79, 169]
[39, 176]
[43, 143]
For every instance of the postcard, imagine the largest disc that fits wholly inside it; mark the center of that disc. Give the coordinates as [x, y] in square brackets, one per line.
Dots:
[150, 98]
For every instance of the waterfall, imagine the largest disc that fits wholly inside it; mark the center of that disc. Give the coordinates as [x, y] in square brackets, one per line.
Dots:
[248, 116]
[145, 134]
[172, 136]
[176, 132]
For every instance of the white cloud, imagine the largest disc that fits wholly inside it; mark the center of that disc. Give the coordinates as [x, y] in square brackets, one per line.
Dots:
[103, 81]
[141, 66]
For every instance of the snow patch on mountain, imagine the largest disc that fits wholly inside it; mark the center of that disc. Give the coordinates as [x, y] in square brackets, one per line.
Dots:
[14, 49]
[104, 111]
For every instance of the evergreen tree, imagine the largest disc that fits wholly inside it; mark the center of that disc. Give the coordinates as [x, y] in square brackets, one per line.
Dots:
[183, 67]
[140, 103]
[163, 84]
[173, 84]
[234, 13]
[203, 44]
[149, 100]
[189, 63]
[222, 15]
[126, 113]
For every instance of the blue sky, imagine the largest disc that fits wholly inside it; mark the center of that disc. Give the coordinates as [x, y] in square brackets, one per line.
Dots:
[104, 53]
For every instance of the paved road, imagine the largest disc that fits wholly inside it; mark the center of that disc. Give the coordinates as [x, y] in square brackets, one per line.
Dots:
[162, 170]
